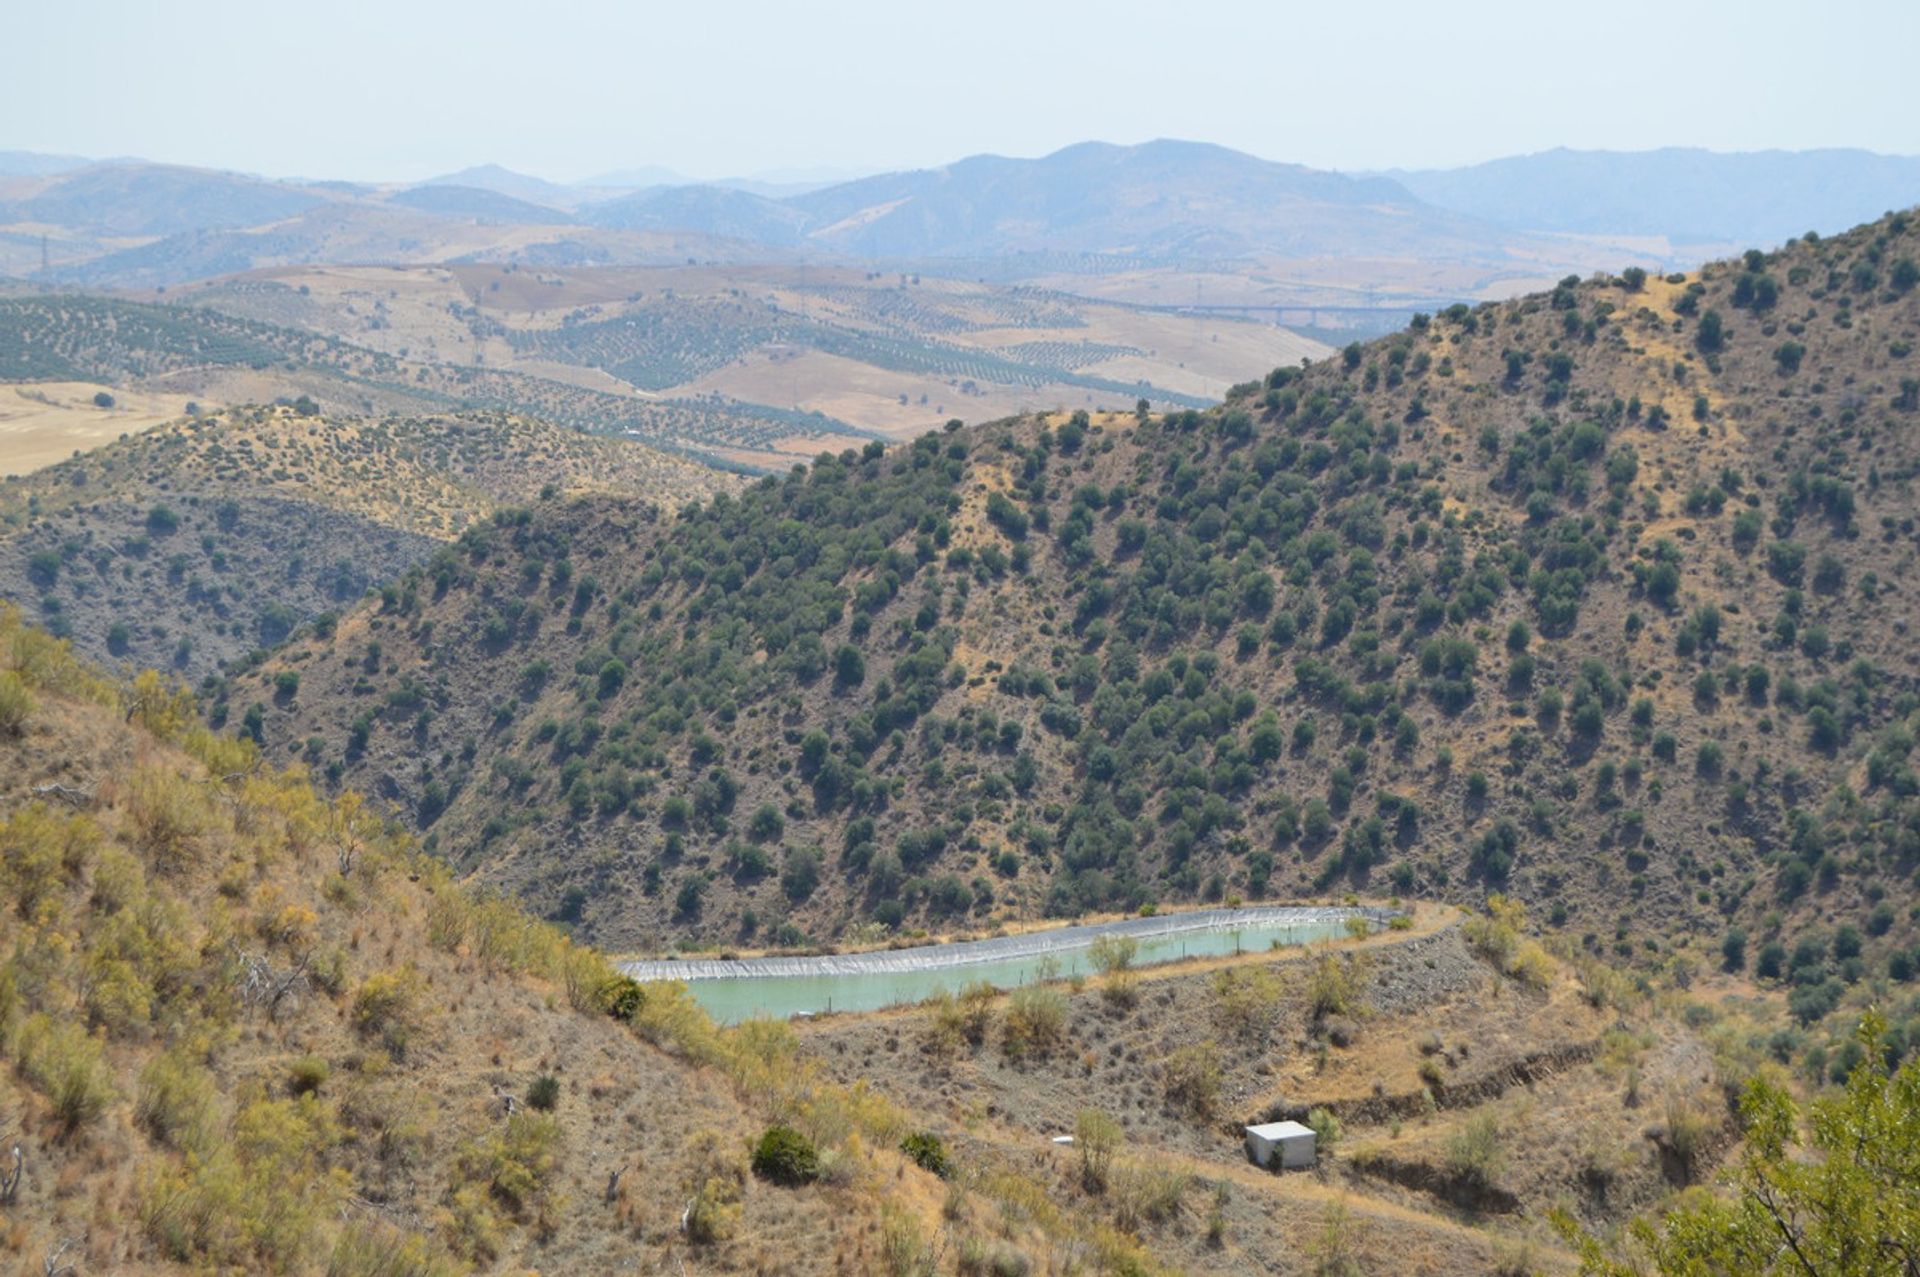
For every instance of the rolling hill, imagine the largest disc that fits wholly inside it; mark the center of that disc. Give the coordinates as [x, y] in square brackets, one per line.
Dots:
[219, 356]
[1596, 597]
[154, 199]
[192, 544]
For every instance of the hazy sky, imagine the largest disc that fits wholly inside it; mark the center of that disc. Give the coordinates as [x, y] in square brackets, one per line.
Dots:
[403, 89]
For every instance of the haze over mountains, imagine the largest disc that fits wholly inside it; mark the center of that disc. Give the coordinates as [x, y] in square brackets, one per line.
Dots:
[1685, 194]
[130, 223]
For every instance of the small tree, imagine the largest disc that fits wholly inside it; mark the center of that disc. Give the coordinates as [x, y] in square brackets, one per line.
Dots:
[1711, 335]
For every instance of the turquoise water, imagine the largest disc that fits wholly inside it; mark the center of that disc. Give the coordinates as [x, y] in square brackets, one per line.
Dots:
[736, 991]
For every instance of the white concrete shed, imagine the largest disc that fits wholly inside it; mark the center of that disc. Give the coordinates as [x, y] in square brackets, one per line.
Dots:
[1291, 1142]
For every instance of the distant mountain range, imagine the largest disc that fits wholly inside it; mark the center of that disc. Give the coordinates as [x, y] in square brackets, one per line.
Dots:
[1688, 195]
[1159, 202]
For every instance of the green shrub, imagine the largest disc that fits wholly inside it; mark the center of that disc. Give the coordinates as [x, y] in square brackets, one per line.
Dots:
[785, 1156]
[1326, 1130]
[544, 1094]
[928, 1153]
[623, 998]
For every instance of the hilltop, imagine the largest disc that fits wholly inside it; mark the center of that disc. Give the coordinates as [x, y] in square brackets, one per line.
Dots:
[194, 543]
[1596, 596]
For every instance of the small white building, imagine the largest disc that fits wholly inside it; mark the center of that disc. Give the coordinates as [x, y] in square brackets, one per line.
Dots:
[1291, 1142]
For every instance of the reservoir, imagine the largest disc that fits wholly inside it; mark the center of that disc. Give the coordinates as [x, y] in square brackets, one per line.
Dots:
[735, 990]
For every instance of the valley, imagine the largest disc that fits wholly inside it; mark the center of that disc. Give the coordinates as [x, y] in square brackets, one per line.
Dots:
[483, 1093]
[879, 724]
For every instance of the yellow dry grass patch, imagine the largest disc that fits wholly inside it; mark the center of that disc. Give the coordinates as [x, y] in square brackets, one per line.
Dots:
[970, 527]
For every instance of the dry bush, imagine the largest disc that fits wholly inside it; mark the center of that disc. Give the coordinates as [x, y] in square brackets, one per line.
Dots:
[978, 1258]
[1476, 1150]
[1334, 985]
[903, 1246]
[1604, 988]
[1690, 1130]
[16, 703]
[1190, 1078]
[257, 1200]
[515, 1161]
[41, 853]
[67, 1066]
[1514, 1257]
[1143, 1194]
[48, 664]
[1497, 937]
[386, 1008]
[175, 1104]
[1096, 1138]
[713, 1213]
[1035, 1021]
[1113, 957]
[714, 1176]
[1334, 1252]
[670, 1019]
[169, 816]
[370, 1248]
[954, 1023]
[1249, 997]
[163, 708]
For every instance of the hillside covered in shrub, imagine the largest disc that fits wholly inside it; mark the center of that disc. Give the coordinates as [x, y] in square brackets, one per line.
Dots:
[248, 1028]
[191, 545]
[1599, 597]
